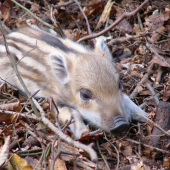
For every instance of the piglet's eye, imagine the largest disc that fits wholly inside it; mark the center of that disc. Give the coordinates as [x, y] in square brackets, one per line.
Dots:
[86, 94]
[120, 85]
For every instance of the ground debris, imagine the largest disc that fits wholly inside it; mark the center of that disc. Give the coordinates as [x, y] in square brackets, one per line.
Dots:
[141, 51]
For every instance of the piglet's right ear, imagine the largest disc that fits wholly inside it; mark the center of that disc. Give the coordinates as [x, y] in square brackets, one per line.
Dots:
[101, 47]
[59, 67]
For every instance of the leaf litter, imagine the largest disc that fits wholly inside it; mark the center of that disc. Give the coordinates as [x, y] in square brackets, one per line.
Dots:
[146, 37]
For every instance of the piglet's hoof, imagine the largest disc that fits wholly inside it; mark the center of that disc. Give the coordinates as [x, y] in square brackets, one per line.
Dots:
[119, 125]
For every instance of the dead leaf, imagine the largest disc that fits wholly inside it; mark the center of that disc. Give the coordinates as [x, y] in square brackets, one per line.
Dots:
[127, 151]
[166, 162]
[155, 23]
[33, 162]
[60, 165]
[140, 166]
[162, 63]
[6, 11]
[68, 149]
[15, 106]
[19, 163]
[4, 151]
[105, 14]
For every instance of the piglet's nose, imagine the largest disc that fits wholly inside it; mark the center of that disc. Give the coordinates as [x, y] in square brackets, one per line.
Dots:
[119, 125]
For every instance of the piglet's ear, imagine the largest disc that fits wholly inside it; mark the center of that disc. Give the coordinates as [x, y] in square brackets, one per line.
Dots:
[101, 47]
[59, 67]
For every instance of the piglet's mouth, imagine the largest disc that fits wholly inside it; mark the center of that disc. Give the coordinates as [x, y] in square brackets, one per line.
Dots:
[119, 125]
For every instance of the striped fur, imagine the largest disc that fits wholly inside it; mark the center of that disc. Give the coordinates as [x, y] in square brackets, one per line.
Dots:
[84, 80]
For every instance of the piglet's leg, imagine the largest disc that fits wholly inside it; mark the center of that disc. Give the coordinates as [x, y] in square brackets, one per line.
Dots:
[130, 109]
[77, 127]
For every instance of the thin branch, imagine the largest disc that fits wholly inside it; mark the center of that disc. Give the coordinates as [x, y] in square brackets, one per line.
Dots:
[57, 29]
[85, 17]
[57, 155]
[20, 114]
[159, 75]
[152, 49]
[64, 4]
[118, 157]
[126, 14]
[18, 75]
[123, 39]
[148, 146]
[105, 161]
[165, 132]
[17, 72]
[64, 137]
[153, 93]
[83, 166]
[149, 72]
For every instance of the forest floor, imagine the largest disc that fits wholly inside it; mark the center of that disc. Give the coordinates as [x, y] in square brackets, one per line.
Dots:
[139, 40]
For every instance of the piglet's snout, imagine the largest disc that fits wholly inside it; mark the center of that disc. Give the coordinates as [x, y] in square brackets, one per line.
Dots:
[119, 125]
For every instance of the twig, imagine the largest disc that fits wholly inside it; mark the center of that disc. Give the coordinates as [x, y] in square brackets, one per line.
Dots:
[27, 102]
[123, 39]
[17, 72]
[57, 154]
[149, 72]
[153, 94]
[126, 14]
[105, 161]
[20, 114]
[85, 17]
[64, 4]
[148, 146]
[159, 75]
[83, 166]
[64, 137]
[30, 151]
[96, 132]
[159, 56]
[118, 160]
[57, 29]
[34, 4]
[19, 76]
[15, 143]
[154, 124]
[2, 85]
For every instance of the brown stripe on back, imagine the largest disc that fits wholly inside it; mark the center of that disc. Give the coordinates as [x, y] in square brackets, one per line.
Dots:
[41, 84]
[46, 37]
[25, 43]
[35, 53]
[31, 70]
[6, 65]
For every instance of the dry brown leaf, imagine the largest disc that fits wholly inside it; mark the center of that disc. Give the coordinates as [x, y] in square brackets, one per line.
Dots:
[89, 163]
[6, 118]
[166, 162]
[124, 26]
[107, 146]
[5, 9]
[19, 163]
[166, 95]
[32, 161]
[60, 165]
[127, 151]
[4, 151]
[155, 23]
[105, 14]
[140, 166]
[162, 63]
[15, 106]
[69, 149]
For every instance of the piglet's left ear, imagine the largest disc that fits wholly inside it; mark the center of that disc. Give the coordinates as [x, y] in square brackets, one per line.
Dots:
[101, 47]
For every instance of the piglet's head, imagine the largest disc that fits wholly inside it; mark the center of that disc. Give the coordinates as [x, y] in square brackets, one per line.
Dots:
[93, 87]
